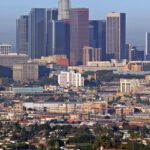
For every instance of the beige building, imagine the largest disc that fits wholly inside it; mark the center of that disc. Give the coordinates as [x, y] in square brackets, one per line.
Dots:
[25, 72]
[95, 107]
[113, 65]
[57, 107]
[9, 59]
[17, 106]
[64, 108]
[124, 110]
[128, 86]
[91, 54]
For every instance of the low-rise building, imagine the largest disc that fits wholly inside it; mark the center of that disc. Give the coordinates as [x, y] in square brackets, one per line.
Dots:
[57, 59]
[67, 79]
[5, 48]
[25, 72]
[70, 107]
[124, 110]
[91, 54]
[95, 107]
[128, 86]
[7, 60]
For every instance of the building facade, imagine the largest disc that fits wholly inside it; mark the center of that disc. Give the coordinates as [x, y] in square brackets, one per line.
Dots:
[79, 22]
[37, 33]
[5, 48]
[128, 86]
[97, 35]
[64, 9]
[7, 60]
[116, 36]
[147, 47]
[67, 79]
[56, 59]
[25, 72]
[52, 14]
[58, 38]
[22, 35]
[91, 54]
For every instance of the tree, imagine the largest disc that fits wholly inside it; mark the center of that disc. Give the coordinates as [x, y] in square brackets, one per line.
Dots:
[54, 143]
[103, 141]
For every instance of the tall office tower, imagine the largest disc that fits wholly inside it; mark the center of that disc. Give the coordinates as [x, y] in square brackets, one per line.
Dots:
[37, 33]
[116, 35]
[79, 32]
[147, 47]
[52, 14]
[91, 54]
[97, 35]
[64, 9]
[58, 37]
[22, 35]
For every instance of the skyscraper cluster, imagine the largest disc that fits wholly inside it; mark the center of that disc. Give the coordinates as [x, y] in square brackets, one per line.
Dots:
[66, 31]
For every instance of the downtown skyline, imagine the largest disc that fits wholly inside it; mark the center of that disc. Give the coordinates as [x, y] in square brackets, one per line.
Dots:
[98, 10]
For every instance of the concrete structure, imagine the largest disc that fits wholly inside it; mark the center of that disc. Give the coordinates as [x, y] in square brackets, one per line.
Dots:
[71, 108]
[64, 9]
[91, 54]
[97, 35]
[57, 59]
[37, 33]
[59, 107]
[7, 60]
[22, 35]
[25, 72]
[67, 79]
[5, 48]
[79, 22]
[95, 107]
[116, 36]
[143, 65]
[147, 47]
[128, 86]
[124, 110]
[113, 65]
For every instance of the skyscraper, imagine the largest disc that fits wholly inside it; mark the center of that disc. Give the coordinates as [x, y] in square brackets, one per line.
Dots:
[64, 9]
[79, 22]
[58, 37]
[97, 35]
[37, 33]
[116, 36]
[147, 47]
[52, 14]
[22, 35]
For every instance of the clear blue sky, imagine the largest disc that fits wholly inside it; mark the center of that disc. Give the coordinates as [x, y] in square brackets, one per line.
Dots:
[138, 15]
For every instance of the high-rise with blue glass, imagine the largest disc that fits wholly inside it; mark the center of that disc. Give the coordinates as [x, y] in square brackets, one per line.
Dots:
[37, 33]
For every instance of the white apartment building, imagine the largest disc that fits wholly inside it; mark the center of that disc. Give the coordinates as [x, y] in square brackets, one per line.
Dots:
[128, 86]
[67, 79]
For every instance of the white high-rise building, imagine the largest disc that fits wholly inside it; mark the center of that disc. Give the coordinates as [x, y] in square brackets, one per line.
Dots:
[64, 9]
[66, 79]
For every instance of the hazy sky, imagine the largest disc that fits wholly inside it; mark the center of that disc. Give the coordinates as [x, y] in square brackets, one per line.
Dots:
[138, 15]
